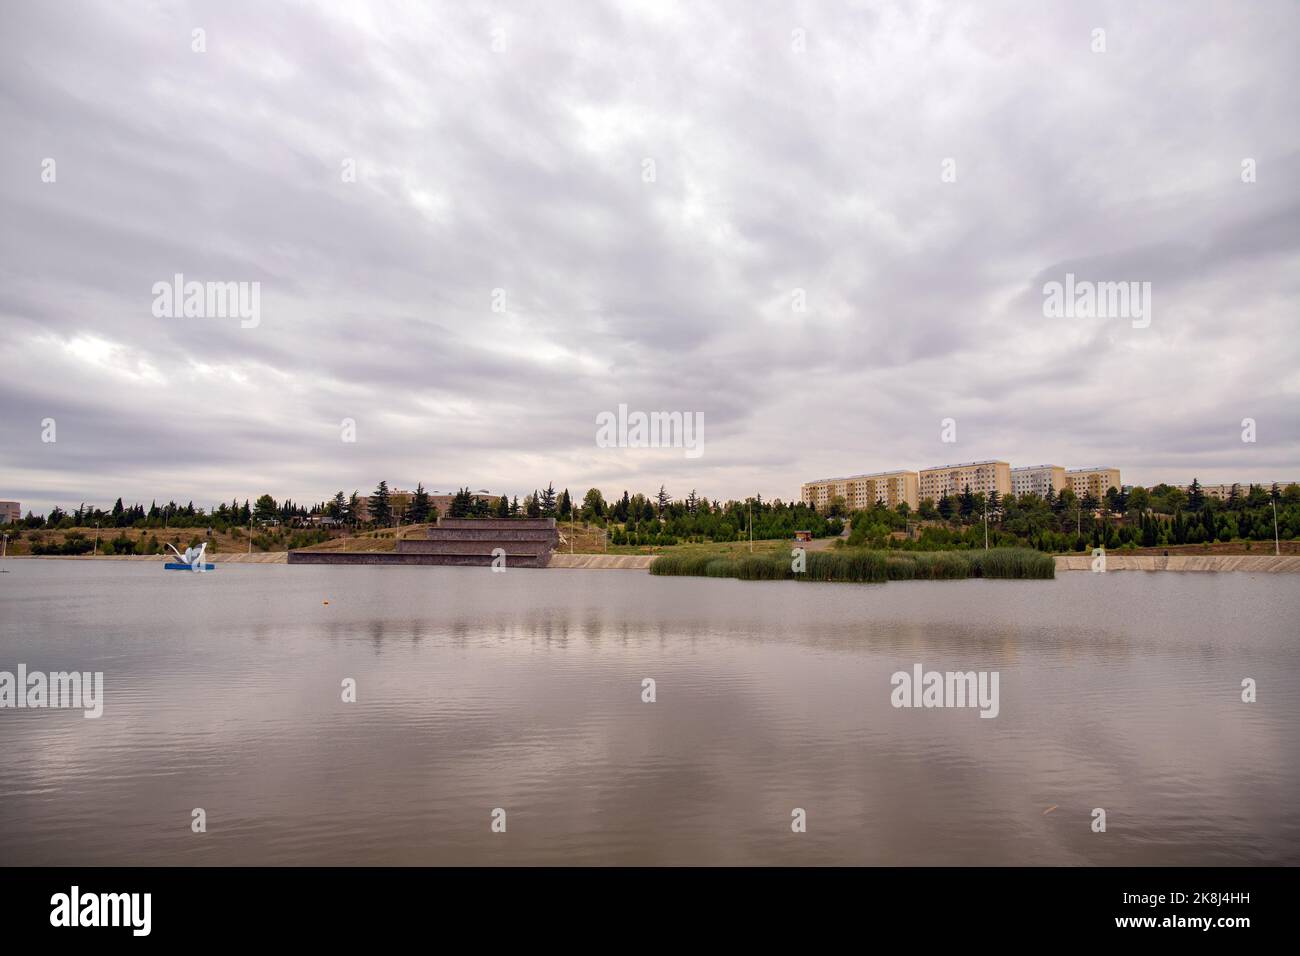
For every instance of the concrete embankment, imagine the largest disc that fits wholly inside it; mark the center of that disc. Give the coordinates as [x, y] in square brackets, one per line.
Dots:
[241, 557]
[602, 562]
[1254, 563]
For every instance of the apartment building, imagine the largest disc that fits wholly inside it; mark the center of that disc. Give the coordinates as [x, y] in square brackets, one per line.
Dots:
[1038, 480]
[980, 476]
[10, 511]
[1092, 481]
[862, 491]
[1221, 492]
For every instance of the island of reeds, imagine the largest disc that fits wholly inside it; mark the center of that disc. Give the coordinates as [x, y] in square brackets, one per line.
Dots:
[864, 566]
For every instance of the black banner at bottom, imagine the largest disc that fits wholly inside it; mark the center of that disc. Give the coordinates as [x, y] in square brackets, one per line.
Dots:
[331, 905]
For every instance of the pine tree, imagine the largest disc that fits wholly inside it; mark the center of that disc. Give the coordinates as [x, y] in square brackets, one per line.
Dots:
[967, 502]
[418, 512]
[503, 507]
[547, 502]
[381, 511]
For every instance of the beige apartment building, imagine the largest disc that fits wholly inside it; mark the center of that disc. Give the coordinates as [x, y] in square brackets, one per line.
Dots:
[980, 476]
[862, 491]
[10, 511]
[1221, 492]
[1038, 480]
[1093, 481]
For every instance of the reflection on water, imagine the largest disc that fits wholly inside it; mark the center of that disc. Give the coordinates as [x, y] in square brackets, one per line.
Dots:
[523, 691]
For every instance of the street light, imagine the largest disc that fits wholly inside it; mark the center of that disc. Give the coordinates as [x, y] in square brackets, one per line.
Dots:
[1277, 547]
[95, 553]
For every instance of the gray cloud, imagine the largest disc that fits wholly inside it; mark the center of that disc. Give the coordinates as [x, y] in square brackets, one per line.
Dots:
[522, 170]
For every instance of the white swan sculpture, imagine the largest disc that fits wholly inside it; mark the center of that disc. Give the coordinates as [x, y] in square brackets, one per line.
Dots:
[192, 556]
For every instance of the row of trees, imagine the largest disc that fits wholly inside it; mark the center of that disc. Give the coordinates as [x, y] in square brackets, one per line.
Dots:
[1150, 518]
[694, 517]
[1141, 517]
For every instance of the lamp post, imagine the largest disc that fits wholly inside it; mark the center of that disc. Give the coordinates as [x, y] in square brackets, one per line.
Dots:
[1277, 546]
[986, 524]
[95, 553]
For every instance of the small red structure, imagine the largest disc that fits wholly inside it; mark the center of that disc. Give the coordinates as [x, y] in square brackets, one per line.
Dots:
[803, 535]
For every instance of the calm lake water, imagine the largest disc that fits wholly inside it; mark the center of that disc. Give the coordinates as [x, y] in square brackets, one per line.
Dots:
[523, 691]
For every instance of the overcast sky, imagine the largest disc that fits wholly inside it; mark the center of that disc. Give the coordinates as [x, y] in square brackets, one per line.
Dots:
[505, 147]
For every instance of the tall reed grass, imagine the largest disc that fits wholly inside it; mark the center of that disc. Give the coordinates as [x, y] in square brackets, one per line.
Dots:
[865, 566]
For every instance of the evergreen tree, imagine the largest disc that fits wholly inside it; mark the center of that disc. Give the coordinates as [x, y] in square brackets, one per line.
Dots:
[462, 504]
[967, 502]
[418, 513]
[266, 510]
[547, 501]
[381, 510]
[503, 507]
[662, 498]
[565, 505]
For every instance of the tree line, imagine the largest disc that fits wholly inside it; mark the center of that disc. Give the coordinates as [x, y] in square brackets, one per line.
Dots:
[1140, 517]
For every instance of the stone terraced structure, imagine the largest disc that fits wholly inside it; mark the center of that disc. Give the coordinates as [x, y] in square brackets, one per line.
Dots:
[527, 543]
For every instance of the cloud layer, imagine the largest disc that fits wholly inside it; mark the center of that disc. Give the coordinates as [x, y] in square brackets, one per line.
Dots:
[506, 149]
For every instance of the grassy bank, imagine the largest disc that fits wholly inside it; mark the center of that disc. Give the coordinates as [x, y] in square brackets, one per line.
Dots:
[860, 565]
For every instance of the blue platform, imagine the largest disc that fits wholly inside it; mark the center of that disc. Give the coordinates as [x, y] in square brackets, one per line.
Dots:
[177, 566]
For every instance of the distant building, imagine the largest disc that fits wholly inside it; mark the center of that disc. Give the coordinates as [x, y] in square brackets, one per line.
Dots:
[1092, 481]
[803, 535]
[891, 488]
[982, 477]
[1220, 492]
[10, 511]
[1038, 480]
[443, 502]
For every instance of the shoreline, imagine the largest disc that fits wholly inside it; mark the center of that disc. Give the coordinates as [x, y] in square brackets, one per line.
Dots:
[1208, 563]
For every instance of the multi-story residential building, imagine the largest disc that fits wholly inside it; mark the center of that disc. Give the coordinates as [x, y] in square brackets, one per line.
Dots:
[1221, 492]
[980, 476]
[890, 488]
[1038, 480]
[10, 511]
[1092, 481]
